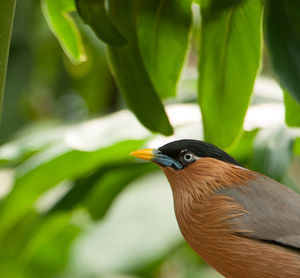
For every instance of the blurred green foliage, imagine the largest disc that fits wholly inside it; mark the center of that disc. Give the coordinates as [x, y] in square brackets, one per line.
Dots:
[73, 203]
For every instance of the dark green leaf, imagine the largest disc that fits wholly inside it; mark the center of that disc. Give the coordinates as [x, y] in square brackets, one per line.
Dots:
[63, 27]
[97, 192]
[130, 73]
[273, 149]
[7, 11]
[292, 111]
[110, 185]
[163, 32]
[229, 61]
[218, 5]
[81, 187]
[282, 29]
[94, 14]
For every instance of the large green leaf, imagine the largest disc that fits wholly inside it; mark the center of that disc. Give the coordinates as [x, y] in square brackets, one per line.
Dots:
[292, 111]
[282, 29]
[63, 27]
[229, 59]
[7, 16]
[90, 145]
[163, 32]
[93, 13]
[130, 73]
[62, 162]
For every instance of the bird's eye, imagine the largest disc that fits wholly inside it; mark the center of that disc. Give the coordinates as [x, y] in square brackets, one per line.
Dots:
[188, 157]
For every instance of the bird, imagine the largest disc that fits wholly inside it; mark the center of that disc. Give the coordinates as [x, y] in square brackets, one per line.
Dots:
[241, 222]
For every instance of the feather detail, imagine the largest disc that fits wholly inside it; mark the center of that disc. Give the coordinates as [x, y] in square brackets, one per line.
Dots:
[208, 217]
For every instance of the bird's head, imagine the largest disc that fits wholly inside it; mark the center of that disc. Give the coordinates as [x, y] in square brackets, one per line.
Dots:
[180, 154]
[187, 161]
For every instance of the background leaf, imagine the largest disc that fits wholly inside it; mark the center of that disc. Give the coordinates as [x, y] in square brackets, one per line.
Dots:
[48, 250]
[6, 22]
[110, 185]
[163, 33]
[32, 182]
[94, 14]
[243, 150]
[130, 73]
[292, 111]
[32, 176]
[217, 5]
[273, 148]
[134, 220]
[229, 60]
[64, 28]
[68, 205]
[282, 28]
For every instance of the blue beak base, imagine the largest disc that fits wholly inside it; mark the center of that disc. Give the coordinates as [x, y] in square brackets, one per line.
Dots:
[165, 160]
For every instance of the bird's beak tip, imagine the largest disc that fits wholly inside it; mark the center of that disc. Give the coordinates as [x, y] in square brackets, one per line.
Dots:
[146, 154]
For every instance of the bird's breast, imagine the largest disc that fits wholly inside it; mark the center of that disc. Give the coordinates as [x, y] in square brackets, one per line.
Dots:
[208, 228]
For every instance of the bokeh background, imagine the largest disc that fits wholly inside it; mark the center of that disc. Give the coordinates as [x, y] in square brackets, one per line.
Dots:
[73, 203]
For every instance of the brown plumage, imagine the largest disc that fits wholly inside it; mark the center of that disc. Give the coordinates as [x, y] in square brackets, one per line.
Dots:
[242, 223]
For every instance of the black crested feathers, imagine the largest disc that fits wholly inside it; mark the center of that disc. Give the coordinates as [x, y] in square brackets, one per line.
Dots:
[199, 148]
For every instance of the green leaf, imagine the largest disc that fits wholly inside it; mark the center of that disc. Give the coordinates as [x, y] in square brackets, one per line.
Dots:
[273, 148]
[130, 73]
[107, 188]
[229, 59]
[10, 268]
[7, 16]
[62, 162]
[94, 14]
[57, 14]
[47, 251]
[126, 228]
[218, 5]
[84, 136]
[97, 191]
[163, 35]
[90, 145]
[81, 187]
[33, 139]
[282, 29]
[296, 148]
[292, 111]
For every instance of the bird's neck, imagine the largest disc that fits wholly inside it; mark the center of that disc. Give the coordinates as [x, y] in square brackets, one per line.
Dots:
[197, 207]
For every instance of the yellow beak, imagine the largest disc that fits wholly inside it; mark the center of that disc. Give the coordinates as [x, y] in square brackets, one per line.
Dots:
[156, 156]
[146, 154]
